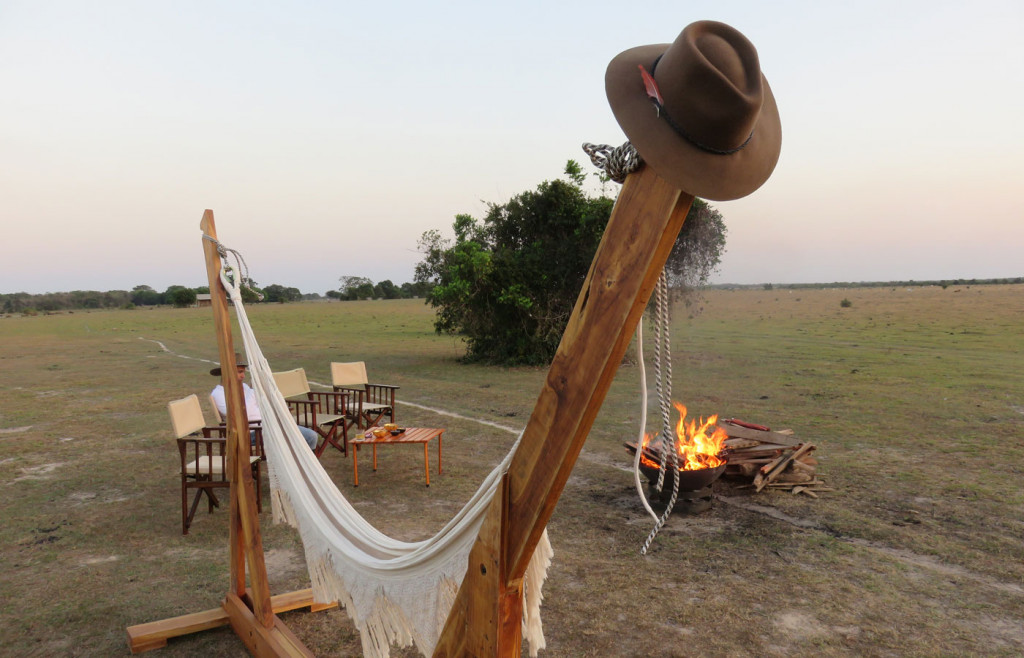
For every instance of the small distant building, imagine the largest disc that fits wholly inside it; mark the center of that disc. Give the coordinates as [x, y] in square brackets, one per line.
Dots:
[203, 300]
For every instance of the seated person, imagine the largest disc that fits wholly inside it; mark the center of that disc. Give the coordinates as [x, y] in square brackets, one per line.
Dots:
[251, 408]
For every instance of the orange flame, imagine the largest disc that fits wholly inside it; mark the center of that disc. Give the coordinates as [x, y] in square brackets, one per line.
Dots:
[696, 447]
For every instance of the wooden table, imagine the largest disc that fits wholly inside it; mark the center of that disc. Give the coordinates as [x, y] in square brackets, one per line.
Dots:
[410, 435]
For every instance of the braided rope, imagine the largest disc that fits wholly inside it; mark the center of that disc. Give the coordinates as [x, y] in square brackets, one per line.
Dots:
[659, 385]
[663, 362]
[616, 162]
[228, 270]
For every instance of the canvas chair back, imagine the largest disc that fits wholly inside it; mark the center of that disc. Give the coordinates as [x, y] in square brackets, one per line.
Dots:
[292, 382]
[349, 374]
[216, 412]
[186, 416]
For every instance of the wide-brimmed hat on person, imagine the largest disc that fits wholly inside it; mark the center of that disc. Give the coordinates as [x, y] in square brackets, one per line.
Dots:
[239, 361]
[699, 111]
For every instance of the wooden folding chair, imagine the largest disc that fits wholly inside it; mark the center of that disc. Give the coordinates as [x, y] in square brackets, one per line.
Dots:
[255, 426]
[371, 402]
[322, 411]
[202, 450]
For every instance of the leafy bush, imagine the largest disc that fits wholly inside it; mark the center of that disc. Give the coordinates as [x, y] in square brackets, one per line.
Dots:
[508, 283]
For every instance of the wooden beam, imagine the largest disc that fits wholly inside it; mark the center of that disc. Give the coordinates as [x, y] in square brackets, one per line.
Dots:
[488, 622]
[636, 244]
[273, 641]
[153, 635]
[246, 543]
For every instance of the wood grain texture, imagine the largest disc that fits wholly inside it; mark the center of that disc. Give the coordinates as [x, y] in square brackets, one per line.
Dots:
[245, 538]
[636, 244]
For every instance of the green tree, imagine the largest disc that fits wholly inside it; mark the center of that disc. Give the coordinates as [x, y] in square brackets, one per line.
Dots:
[281, 294]
[362, 291]
[355, 287]
[698, 249]
[387, 290]
[143, 295]
[508, 283]
[180, 296]
[418, 289]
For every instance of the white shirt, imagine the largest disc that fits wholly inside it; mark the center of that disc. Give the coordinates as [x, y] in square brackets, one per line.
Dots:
[251, 407]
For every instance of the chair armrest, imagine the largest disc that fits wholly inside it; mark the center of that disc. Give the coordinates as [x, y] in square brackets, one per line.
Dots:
[305, 410]
[335, 402]
[381, 394]
[302, 402]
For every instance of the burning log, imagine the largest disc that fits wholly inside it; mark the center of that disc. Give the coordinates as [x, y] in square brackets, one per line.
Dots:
[647, 452]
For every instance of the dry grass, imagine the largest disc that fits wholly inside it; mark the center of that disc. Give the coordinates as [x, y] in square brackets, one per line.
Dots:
[914, 396]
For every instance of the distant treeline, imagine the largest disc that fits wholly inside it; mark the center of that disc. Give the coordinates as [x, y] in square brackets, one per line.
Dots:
[944, 283]
[352, 288]
[23, 302]
[183, 296]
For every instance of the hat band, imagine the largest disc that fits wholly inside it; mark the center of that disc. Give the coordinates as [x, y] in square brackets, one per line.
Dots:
[659, 107]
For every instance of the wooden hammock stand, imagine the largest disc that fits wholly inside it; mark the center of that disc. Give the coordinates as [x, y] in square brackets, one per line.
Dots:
[487, 615]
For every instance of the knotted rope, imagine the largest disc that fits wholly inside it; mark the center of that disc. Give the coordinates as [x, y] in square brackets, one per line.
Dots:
[223, 252]
[617, 162]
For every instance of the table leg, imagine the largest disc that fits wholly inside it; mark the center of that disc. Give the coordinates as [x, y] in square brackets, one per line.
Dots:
[439, 453]
[355, 464]
[426, 460]
[375, 457]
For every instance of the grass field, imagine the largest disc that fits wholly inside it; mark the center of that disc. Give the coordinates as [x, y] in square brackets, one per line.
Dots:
[914, 397]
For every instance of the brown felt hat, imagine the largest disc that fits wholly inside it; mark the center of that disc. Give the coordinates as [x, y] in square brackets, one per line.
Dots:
[239, 361]
[706, 120]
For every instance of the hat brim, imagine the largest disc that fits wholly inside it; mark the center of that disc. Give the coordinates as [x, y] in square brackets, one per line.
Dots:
[216, 371]
[678, 161]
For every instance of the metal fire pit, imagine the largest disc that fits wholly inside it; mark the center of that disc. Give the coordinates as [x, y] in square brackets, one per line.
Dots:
[694, 488]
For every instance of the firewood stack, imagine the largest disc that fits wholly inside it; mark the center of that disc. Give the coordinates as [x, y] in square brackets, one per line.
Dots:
[775, 460]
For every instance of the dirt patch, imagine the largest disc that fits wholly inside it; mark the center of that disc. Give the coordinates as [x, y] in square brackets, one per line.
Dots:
[283, 562]
[799, 625]
[15, 430]
[42, 472]
[1006, 633]
[86, 497]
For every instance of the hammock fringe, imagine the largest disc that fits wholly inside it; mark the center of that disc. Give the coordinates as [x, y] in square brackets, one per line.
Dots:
[396, 593]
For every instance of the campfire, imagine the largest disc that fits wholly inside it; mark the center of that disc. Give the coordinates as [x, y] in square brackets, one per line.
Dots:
[699, 445]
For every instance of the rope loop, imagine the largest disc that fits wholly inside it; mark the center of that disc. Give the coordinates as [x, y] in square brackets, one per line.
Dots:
[616, 162]
[663, 380]
[228, 271]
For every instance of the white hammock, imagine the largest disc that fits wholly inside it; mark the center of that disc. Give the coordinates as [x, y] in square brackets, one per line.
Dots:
[395, 592]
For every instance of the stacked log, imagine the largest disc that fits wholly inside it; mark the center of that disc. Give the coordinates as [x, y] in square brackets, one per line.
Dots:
[771, 459]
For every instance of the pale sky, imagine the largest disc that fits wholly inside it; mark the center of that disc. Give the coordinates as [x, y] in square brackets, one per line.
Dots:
[328, 136]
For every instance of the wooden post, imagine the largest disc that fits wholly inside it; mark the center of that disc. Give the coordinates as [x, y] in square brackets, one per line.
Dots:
[251, 612]
[485, 620]
[246, 542]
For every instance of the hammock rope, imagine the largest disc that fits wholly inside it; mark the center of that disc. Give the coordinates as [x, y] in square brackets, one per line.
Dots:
[395, 592]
